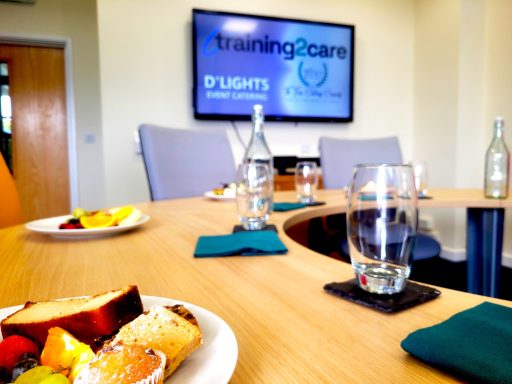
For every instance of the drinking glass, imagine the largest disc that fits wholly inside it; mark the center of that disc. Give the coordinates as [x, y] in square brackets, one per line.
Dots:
[254, 195]
[382, 222]
[420, 177]
[306, 181]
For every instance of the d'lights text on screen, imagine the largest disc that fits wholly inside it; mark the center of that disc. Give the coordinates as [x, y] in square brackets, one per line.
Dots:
[242, 87]
[216, 42]
[237, 83]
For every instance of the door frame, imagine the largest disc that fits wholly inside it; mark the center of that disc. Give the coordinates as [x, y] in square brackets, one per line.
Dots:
[65, 43]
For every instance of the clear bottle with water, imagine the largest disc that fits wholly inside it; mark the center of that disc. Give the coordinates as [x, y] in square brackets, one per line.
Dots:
[497, 164]
[257, 150]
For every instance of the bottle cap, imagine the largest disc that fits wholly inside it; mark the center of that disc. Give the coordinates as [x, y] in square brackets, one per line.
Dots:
[499, 121]
[257, 112]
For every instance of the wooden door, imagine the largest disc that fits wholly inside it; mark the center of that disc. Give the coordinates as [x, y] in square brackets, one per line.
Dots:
[39, 131]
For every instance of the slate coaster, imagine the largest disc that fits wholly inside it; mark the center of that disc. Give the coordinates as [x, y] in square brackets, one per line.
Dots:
[414, 294]
[268, 227]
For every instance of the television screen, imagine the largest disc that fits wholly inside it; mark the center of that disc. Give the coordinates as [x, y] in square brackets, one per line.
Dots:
[298, 70]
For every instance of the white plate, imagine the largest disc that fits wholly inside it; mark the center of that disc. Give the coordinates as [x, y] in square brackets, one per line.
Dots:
[213, 196]
[50, 227]
[212, 363]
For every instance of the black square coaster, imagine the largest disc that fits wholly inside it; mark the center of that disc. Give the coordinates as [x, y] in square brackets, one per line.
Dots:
[268, 227]
[414, 294]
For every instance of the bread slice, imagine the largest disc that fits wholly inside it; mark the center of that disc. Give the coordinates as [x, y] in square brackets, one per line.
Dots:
[89, 319]
[161, 328]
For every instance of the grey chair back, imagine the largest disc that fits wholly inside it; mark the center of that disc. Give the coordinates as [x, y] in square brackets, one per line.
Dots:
[183, 162]
[338, 157]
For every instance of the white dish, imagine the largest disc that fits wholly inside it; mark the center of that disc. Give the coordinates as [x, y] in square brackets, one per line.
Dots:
[213, 196]
[212, 363]
[50, 227]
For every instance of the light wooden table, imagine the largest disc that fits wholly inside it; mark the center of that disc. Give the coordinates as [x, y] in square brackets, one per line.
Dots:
[288, 329]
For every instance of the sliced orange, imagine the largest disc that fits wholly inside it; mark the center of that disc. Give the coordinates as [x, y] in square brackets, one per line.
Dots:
[64, 353]
[98, 220]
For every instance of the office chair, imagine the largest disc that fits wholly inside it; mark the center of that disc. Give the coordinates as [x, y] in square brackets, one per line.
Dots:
[183, 162]
[338, 156]
[10, 206]
[337, 159]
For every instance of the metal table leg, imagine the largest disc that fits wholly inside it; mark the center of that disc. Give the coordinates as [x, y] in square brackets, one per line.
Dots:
[484, 243]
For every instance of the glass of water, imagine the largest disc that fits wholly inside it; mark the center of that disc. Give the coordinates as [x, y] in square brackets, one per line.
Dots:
[382, 221]
[420, 177]
[253, 195]
[306, 181]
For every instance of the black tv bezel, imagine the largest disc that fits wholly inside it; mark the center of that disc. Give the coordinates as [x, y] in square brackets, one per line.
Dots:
[269, 117]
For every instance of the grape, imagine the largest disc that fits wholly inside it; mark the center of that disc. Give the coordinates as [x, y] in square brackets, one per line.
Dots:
[27, 361]
[71, 224]
[56, 378]
[78, 212]
[34, 375]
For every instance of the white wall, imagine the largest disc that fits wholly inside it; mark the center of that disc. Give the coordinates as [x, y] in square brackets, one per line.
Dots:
[146, 75]
[435, 89]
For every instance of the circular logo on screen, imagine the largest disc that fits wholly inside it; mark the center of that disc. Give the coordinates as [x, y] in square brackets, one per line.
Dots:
[313, 74]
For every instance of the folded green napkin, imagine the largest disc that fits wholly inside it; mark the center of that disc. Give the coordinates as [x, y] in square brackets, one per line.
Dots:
[281, 207]
[245, 243]
[475, 344]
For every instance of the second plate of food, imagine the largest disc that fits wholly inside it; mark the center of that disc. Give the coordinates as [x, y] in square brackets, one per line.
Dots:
[50, 226]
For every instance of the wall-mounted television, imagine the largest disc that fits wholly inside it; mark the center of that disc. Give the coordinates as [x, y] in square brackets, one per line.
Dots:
[298, 70]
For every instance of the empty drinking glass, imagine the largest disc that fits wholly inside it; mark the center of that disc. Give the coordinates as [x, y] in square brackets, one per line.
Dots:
[306, 181]
[420, 177]
[254, 195]
[382, 221]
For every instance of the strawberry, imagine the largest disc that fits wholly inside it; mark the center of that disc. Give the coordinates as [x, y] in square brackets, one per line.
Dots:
[11, 349]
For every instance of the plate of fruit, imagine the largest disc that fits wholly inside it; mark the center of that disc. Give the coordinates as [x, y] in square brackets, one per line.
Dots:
[87, 224]
[224, 192]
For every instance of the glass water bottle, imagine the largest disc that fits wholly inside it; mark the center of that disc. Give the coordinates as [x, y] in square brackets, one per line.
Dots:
[497, 164]
[258, 151]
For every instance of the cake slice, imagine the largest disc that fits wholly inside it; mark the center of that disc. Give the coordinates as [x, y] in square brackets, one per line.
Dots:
[90, 319]
[172, 330]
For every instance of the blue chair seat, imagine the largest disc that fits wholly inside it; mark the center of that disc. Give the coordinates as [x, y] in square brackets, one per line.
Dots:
[425, 247]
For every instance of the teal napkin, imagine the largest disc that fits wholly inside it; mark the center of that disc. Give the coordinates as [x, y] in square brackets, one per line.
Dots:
[245, 243]
[372, 197]
[475, 344]
[281, 207]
